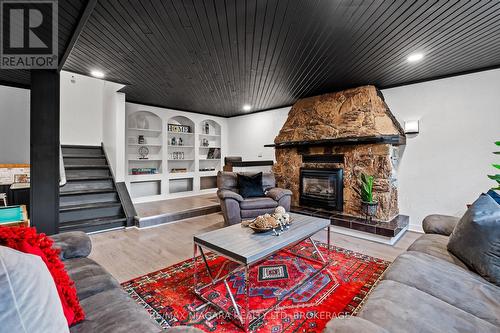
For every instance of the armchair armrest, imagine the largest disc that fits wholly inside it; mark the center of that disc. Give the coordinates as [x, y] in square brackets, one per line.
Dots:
[74, 244]
[277, 193]
[227, 194]
[439, 224]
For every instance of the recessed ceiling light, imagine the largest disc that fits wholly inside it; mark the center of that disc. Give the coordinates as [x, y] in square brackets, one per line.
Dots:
[247, 107]
[414, 57]
[97, 74]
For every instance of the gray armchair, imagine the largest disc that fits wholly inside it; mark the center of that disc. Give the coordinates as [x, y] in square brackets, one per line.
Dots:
[235, 208]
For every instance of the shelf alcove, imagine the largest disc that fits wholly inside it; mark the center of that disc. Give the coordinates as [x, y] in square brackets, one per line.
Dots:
[209, 140]
[144, 153]
[180, 154]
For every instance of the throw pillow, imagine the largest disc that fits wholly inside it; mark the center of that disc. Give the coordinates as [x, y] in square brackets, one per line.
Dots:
[26, 240]
[476, 238]
[28, 297]
[494, 195]
[250, 186]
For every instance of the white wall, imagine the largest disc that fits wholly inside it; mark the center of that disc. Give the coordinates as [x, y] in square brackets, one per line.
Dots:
[248, 134]
[442, 168]
[113, 128]
[14, 125]
[81, 109]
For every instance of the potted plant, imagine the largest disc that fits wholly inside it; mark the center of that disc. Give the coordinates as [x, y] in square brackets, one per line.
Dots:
[368, 205]
[497, 176]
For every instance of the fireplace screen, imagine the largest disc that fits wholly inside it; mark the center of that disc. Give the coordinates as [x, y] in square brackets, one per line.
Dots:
[322, 188]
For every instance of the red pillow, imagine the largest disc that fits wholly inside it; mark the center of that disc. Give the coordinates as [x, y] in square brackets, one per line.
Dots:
[26, 240]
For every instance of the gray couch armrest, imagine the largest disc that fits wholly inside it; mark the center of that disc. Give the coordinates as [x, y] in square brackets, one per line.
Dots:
[224, 194]
[439, 224]
[352, 325]
[277, 193]
[74, 244]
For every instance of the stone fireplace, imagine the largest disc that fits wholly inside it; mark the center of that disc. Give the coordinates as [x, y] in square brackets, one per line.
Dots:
[353, 131]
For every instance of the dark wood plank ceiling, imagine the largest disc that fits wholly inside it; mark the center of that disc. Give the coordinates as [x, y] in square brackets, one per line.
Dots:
[214, 56]
[69, 12]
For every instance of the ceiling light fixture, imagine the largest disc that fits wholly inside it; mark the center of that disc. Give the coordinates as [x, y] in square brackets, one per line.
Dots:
[414, 57]
[247, 107]
[97, 74]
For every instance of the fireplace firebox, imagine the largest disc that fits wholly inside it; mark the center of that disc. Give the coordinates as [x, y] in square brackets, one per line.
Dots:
[322, 188]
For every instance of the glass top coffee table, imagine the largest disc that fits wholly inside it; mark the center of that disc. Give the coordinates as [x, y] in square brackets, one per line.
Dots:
[246, 248]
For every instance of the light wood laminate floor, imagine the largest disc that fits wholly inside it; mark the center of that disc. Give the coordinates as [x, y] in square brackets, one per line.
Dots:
[130, 253]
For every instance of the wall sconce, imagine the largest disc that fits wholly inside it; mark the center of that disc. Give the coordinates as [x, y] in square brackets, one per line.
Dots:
[411, 127]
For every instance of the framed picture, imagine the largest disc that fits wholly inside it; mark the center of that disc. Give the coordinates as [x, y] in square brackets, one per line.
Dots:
[213, 154]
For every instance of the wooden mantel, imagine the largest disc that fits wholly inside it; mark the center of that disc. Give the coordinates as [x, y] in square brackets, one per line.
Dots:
[376, 139]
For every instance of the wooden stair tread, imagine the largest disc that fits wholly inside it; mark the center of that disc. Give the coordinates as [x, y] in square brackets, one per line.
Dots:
[89, 191]
[96, 221]
[83, 178]
[83, 166]
[89, 156]
[81, 146]
[107, 204]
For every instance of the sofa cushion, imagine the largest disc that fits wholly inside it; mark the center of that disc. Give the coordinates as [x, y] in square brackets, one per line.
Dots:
[29, 301]
[476, 238]
[253, 213]
[90, 278]
[435, 245]
[250, 186]
[114, 311]
[258, 203]
[400, 308]
[448, 282]
[351, 324]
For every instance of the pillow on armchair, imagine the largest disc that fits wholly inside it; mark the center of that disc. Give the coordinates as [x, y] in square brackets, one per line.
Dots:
[250, 186]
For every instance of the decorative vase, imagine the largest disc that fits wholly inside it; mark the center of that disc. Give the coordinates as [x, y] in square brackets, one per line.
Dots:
[369, 209]
[142, 122]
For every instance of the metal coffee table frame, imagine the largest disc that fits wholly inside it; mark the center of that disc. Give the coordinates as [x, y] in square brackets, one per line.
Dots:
[245, 321]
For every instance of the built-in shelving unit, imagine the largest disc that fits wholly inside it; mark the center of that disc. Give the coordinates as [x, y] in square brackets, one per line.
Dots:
[184, 149]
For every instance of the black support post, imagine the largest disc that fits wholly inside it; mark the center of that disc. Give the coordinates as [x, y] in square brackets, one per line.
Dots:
[44, 154]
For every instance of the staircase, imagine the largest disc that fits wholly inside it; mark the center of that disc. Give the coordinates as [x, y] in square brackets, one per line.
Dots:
[89, 200]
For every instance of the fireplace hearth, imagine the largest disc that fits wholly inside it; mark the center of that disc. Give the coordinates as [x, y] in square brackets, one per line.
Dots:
[322, 188]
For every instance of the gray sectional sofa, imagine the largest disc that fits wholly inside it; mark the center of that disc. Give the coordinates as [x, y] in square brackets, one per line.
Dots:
[107, 307]
[427, 289]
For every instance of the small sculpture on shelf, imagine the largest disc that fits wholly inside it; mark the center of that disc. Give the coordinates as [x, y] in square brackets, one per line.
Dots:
[179, 142]
[143, 152]
[173, 141]
[205, 143]
[141, 140]
[206, 128]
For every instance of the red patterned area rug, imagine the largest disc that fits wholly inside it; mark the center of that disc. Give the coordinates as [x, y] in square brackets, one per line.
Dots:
[338, 290]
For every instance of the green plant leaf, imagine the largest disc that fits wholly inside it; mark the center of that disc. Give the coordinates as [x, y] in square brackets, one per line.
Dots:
[494, 177]
[366, 188]
[497, 143]
[496, 166]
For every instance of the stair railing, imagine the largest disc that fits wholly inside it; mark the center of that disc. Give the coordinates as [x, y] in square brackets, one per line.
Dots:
[62, 171]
